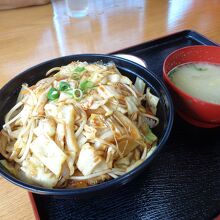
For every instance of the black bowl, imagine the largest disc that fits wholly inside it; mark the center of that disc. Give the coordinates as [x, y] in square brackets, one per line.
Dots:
[9, 93]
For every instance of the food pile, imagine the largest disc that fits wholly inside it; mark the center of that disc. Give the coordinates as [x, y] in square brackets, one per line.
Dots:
[81, 125]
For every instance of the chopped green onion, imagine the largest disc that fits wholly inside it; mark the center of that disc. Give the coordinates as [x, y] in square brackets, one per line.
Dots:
[85, 85]
[199, 68]
[172, 72]
[79, 69]
[53, 94]
[63, 86]
[75, 93]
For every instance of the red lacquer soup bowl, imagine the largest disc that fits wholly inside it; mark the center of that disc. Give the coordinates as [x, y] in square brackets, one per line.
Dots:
[193, 110]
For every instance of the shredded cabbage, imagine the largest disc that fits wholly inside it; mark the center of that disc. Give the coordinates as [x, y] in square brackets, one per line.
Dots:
[152, 101]
[140, 85]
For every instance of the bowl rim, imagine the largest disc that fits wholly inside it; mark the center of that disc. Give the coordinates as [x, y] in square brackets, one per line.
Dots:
[112, 182]
[177, 89]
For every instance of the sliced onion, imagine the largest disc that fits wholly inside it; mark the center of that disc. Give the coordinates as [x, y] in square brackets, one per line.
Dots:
[90, 176]
[112, 175]
[107, 135]
[144, 154]
[151, 151]
[134, 165]
[52, 70]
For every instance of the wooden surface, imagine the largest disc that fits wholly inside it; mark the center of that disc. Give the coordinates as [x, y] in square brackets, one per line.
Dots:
[32, 35]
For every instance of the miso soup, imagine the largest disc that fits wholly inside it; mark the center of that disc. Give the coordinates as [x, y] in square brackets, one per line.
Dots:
[200, 80]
